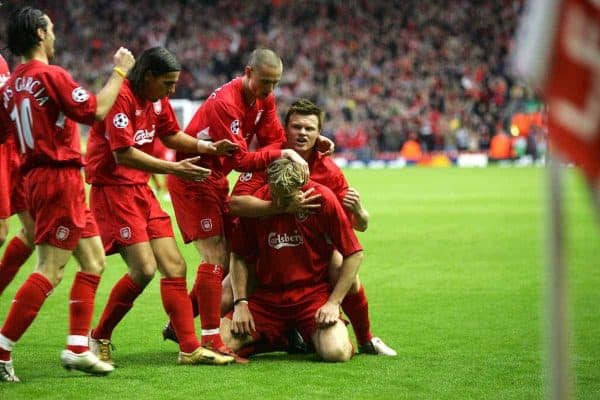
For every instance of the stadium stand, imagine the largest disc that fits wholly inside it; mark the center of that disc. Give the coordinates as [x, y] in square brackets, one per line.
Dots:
[381, 69]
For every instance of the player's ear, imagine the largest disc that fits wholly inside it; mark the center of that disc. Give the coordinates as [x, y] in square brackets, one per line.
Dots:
[41, 34]
[248, 71]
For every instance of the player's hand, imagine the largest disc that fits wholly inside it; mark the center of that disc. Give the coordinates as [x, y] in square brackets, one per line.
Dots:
[295, 157]
[242, 323]
[305, 202]
[352, 200]
[187, 169]
[324, 145]
[327, 315]
[124, 59]
[224, 147]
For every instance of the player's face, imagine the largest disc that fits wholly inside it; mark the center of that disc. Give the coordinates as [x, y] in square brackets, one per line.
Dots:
[262, 80]
[157, 87]
[302, 131]
[48, 39]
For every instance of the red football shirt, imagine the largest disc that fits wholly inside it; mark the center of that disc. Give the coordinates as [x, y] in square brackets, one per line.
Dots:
[9, 158]
[295, 250]
[227, 115]
[131, 122]
[35, 101]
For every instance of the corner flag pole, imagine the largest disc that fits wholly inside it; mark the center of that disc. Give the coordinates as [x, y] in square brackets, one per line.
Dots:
[557, 337]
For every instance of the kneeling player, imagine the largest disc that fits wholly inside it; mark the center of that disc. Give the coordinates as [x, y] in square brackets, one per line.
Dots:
[292, 255]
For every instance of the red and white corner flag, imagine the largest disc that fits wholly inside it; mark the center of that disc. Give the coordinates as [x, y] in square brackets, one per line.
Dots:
[558, 51]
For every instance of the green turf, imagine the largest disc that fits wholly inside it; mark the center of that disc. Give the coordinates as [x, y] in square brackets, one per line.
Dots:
[454, 274]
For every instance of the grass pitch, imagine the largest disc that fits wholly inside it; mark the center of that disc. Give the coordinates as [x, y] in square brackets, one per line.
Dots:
[454, 274]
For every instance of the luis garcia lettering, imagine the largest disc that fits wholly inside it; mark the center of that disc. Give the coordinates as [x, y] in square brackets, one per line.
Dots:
[29, 85]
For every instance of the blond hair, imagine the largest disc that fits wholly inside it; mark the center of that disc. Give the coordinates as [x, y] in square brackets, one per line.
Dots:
[285, 178]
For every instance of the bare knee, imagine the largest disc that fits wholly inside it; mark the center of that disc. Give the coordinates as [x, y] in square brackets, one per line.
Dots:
[333, 344]
[174, 268]
[94, 265]
[54, 275]
[233, 342]
[213, 250]
[142, 274]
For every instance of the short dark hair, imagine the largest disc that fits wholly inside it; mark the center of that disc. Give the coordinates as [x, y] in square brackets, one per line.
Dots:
[157, 60]
[22, 30]
[304, 107]
[264, 56]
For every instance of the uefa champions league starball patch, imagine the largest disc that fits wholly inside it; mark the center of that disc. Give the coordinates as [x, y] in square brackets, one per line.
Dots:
[120, 120]
[80, 95]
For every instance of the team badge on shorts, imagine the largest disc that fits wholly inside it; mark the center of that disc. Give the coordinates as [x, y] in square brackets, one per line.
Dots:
[245, 177]
[206, 224]
[80, 95]
[62, 233]
[125, 233]
[235, 126]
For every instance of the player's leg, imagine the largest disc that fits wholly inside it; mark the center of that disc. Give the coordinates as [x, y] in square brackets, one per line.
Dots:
[141, 267]
[333, 343]
[178, 306]
[17, 251]
[208, 287]
[27, 302]
[356, 306]
[121, 214]
[90, 256]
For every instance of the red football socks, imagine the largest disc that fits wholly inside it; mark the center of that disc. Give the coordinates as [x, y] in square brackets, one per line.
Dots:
[15, 255]
[356, 307]
[81, 309]
[119, 303]
[29, 299]
[193, 299]
[177, 304]
[208, 295]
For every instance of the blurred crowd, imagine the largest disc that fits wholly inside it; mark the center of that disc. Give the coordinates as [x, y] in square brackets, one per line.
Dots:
[384, 71]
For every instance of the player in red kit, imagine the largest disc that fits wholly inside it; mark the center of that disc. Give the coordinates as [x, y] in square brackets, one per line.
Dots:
[34, 106]
[239, 111]
[302, 126]
[131, 221]
[291, 253]
[12, 201]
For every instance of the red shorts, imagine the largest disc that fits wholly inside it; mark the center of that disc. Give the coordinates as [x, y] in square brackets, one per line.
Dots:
[275, 313]
[200, 207]
[128, 215]
[12, 194]
[58, 209]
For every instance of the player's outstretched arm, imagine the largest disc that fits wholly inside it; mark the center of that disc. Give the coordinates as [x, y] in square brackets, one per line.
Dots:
[185, 143]
[253, 207]
[186, 169]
